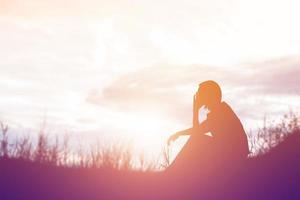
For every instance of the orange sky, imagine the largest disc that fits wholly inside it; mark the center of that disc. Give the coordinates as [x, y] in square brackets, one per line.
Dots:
[131, 67]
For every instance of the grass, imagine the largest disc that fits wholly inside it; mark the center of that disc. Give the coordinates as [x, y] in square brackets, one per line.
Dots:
[58, 152]
[47, 169]
[272, 133]
[119, 155]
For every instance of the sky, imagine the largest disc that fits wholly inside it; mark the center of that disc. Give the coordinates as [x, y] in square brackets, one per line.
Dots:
[114, 69]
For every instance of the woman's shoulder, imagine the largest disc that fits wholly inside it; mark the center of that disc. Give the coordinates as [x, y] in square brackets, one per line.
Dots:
[225, 105]
[226, 108]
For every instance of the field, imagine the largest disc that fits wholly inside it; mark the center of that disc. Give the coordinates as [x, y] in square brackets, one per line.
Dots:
[45, 172]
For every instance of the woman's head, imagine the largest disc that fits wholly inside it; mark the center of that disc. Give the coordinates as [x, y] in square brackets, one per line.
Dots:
[209, 94]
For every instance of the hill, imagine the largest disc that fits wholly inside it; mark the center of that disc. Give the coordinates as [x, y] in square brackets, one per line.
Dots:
[273, 175]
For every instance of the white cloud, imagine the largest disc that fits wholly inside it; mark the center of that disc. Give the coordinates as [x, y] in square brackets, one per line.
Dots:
[127, 55]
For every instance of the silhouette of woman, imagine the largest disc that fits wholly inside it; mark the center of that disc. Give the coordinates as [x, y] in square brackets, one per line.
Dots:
[228, 141]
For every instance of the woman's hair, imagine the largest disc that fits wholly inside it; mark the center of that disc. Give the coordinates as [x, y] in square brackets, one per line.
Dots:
[211, 91]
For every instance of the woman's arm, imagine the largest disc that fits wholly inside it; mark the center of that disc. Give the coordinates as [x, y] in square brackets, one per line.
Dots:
[184, 132]
[178, 134]
[199, 129]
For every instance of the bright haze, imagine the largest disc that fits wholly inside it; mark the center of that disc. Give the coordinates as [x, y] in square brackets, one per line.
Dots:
[115, 69]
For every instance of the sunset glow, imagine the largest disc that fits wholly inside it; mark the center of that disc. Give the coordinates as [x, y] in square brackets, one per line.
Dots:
[131, 68]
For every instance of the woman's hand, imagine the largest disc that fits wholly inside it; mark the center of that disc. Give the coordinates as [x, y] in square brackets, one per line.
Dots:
[172, 138]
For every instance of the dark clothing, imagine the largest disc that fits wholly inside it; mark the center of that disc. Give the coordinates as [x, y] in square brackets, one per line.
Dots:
[227, 131]
[227, 144]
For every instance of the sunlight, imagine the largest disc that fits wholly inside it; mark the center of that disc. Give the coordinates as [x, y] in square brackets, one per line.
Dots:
[149, 99]
[149, 132]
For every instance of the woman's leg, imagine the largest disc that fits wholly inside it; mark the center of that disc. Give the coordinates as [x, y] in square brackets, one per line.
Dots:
[194, 153]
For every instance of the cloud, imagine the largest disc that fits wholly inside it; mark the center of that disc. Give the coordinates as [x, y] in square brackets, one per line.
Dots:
[32, 8]
[253, 89]
[278, 76]
[161, 88]
[102, 7]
